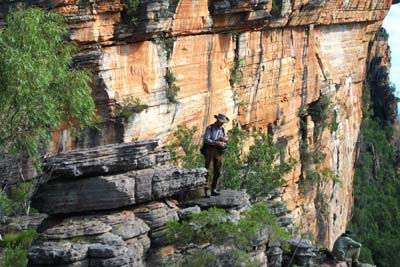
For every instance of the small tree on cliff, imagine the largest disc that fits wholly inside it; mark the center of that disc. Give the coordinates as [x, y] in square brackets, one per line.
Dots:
[38, 87]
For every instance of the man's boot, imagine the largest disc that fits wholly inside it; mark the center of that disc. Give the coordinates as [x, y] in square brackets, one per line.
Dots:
[214, 192]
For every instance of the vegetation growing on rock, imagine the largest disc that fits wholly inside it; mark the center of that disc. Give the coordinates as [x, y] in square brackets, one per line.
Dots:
[129, 106]
[130, 11]
[312, 157]
[172, 89]
[38, 87]
[212, 226]
[259, 172]
[15, 248]
[19, 203]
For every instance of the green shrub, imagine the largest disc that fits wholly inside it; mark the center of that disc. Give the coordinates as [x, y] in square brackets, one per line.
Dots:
[130, 11]
[319, 112]
[334, 124]
[166, 43]
[129, 107]
[6, 205]
[212, 226]
[259, 172]
[185, 150]
[21, 239]
[16, 246]
[263, 172]
[236, 75]
[276, 8]
[172, 89]
[14, 257]
[234, 160]
[19, 203]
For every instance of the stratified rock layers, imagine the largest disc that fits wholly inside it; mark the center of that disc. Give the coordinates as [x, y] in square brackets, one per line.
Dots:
[287, 61]
[102, 219]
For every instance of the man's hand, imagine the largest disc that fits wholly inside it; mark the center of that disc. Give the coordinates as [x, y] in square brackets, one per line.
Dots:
[224, 139]
[220, 144]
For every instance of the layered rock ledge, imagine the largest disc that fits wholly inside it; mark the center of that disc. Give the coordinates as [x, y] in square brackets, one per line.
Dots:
[102, 207]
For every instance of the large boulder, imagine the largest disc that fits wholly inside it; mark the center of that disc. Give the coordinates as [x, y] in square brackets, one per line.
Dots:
[105, 160]
[115, 191]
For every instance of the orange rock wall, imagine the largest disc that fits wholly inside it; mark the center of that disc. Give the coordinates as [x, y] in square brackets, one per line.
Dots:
[313, 49]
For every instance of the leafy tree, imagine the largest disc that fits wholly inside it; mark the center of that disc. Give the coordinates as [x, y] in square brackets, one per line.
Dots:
[38, 86]
[232, 171]
[264, 169]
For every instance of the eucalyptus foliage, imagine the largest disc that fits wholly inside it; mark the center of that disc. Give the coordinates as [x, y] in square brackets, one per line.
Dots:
[38, 87]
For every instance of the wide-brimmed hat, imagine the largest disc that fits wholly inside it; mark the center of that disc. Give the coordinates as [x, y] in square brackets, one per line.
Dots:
[222, 118]
[349, 233]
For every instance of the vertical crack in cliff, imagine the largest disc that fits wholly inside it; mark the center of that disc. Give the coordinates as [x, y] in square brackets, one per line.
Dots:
[277, 115]
[304, 92]
[233, 72]
[257, 82]
[322, 214]
[209, 82]
[303, 96]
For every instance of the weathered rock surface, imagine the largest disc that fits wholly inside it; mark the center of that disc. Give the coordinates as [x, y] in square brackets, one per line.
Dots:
[228, 199]
[108, 239]
[156, 215]
[20, 223]
[109, 192]
[104, 160]
[108, 220]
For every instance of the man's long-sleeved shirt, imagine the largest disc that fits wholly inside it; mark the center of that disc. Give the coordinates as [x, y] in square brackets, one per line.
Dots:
[213, 133]
[342, 244]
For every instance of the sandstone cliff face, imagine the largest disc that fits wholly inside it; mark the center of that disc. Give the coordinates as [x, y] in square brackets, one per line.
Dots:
[286, 63]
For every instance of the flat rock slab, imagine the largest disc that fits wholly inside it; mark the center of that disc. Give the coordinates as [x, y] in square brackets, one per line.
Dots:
[104, 160]
[124, 224]
[228, 199]
[115, 191]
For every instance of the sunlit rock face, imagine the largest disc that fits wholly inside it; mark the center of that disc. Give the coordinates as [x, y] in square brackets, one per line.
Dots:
[287, 60]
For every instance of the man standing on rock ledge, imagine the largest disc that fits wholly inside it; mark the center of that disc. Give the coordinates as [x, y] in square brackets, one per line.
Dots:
[215, 142]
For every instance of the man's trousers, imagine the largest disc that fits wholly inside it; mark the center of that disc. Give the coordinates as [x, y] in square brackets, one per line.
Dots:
[214, 159]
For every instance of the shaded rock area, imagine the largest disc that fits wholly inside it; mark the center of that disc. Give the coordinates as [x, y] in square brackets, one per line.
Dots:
[105, 208]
